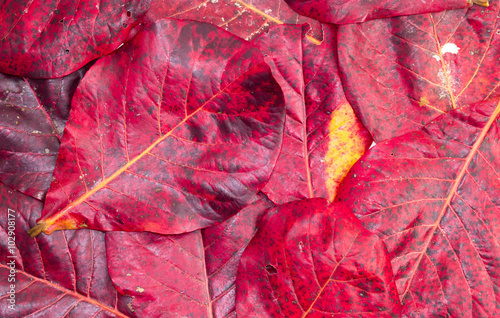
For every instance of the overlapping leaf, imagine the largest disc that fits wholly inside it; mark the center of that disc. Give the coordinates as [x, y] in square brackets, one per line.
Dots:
[244, 18]
[33, 114]
[46, 39]
[401, 73]
[313, 260]
[174, 132]
[181, 275]
[323, 138]
[349, 11]
[57, 275]
[433, 197]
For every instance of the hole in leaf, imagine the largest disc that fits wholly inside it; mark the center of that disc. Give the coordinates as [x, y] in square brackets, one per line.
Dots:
[271, 270]
[125, 25]
[67, 51]
[61, 21]
[129, 13]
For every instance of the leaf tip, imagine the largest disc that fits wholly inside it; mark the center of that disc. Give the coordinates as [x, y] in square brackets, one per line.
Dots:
[37, 229]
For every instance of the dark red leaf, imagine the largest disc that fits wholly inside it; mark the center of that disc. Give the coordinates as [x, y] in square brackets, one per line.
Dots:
[433, 197]
[313, 260]
[244, 18]
[349, 11]
[192, 274]
[64, 274]
[33, 114]
[401, 73]
[174, 132]
[53, 38]
[323, 138]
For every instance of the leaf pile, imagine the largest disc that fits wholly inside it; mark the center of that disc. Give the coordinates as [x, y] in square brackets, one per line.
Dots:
[217, 158]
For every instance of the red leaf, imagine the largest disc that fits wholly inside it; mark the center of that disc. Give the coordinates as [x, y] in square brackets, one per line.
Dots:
[348, 11]
[401, 73]
[313, 260]
[33, 114]
[192, 274]
[46, 39]
[169, 134]
[59, 275]
[433, 197]
[244, 18]
[323, 138]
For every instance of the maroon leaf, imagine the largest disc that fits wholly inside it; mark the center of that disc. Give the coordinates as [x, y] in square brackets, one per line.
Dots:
[174, 132]
[32, 118]
[244, 18]
[313, 260]
[322, 138]
[348, 11]
[433, 197]
[192, 274]
[401, 73]
[59, 275]
[46, 39]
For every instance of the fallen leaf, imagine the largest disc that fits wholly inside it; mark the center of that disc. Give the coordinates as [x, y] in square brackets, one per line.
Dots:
[309, 259]
[401, 73]
[433, 197]
[32, 115]
[59, 275]
[244, 18]
[181, 275]
[169, 134]
[349, 11]
[47, 39]
[322, 138]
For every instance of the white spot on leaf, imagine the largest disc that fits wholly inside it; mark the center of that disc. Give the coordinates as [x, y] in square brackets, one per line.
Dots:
[450, 48]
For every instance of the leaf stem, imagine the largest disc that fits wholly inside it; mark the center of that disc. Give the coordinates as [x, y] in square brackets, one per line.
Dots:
[37, 229]
[483, 3]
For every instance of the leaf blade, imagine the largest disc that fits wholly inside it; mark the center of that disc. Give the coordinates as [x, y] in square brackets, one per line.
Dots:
[437, 232]
[322, 138]
[425, 64]
[34, 116]
[192, 273]
[311, 259]
[347, 12]
[55, 38]
[232, 113]
[54, 274]
[246, 19]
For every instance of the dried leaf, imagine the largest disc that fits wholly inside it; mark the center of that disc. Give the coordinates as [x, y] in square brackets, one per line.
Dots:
[182, 275]
[169, 134]
[32, 115]
[313, 260]
[433, 197]
[59, 275]
[322, 138]
[244, 18]
[401, 73]
[47, 39]
[349, 11]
